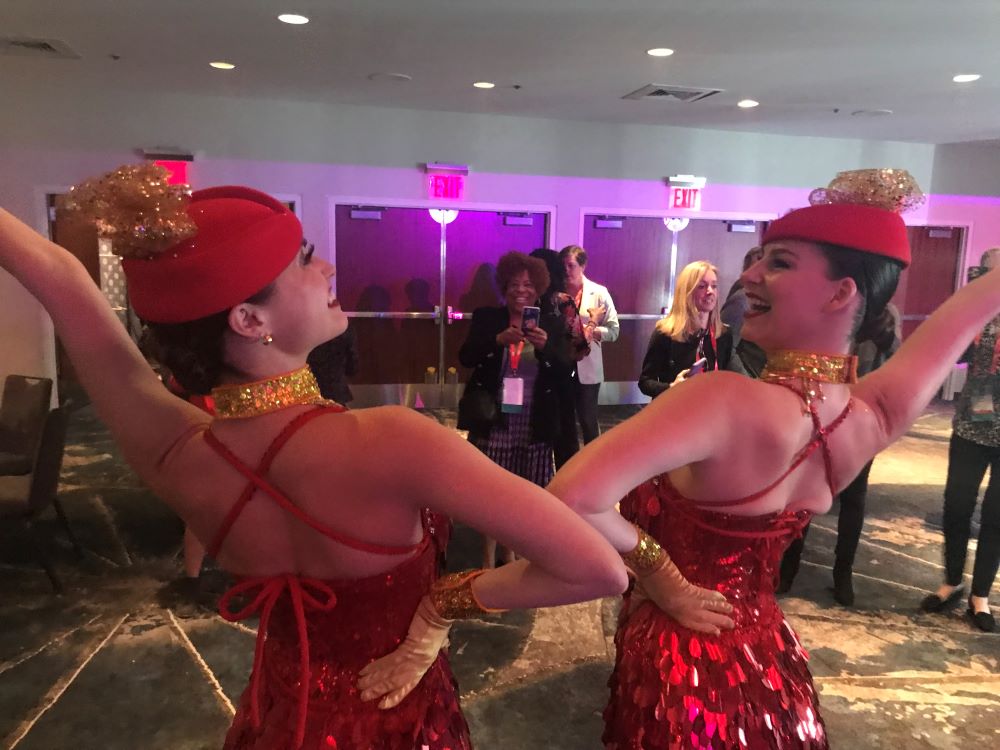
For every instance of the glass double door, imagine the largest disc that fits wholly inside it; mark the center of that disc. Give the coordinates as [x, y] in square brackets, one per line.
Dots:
[409, 278]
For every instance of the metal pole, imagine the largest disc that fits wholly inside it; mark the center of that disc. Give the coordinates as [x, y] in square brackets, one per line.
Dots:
[673, 268]
[444, 313]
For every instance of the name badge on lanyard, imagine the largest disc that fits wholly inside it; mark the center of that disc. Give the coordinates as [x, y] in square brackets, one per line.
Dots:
[512, 396]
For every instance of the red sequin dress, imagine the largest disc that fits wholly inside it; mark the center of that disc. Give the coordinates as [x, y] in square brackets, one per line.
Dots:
[750, 687]
[315, 636]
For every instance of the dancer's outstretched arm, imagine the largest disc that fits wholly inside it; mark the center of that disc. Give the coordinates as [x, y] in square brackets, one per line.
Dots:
[681, 426]
[143, 417]
[432, 467]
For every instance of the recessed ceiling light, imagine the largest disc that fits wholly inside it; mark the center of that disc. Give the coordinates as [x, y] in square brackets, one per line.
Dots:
[966, 78]
[222, 65]
[293, 18]
[484, 84]
[659, 52]
[747, 104]
[871, 112]
[400, 77]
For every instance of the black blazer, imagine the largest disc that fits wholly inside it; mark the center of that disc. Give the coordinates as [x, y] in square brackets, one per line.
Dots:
[555, 370]
[665, 358]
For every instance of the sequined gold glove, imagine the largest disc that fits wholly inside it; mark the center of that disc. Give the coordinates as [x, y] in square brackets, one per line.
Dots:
[659, 580]
[393, 676]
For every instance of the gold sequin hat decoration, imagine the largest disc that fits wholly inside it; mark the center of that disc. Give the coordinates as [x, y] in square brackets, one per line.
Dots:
[135, 207]
[889, 189]
[859, 210]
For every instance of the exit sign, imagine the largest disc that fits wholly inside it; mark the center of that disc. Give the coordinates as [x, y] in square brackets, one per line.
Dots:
[176, 169]
[685, 198]
[446, 186]
[685, 192]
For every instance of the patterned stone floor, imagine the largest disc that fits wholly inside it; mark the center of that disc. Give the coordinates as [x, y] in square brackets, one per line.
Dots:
[115, 663]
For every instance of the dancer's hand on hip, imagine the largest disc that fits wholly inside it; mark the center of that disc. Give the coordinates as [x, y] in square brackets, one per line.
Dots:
[694, 607]
[395, 675]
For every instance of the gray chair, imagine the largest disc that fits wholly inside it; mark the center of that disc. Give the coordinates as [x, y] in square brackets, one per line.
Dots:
[23, 407]
[30, 432]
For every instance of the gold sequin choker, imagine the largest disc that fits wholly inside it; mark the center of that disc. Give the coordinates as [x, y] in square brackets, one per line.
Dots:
[810, 370]
[823, 368]
[265, 396]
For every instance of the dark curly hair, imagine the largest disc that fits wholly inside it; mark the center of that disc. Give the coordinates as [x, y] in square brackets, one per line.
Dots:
[192, 351]
[512, 263]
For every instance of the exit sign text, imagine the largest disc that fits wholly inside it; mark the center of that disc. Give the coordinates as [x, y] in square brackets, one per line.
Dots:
[447, 186]
[687, 198]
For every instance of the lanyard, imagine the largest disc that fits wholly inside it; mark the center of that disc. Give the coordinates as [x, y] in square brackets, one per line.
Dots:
[515, 355]
[700, 351]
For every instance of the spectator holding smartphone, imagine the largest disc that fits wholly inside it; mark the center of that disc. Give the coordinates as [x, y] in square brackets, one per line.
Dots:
[691, 332]
[511, 404]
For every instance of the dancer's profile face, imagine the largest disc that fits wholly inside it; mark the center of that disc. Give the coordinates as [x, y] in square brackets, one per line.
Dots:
[788, 291]
[303, 310]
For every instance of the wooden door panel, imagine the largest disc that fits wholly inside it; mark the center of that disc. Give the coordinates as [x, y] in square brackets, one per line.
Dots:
[932, 275]
[390, 265]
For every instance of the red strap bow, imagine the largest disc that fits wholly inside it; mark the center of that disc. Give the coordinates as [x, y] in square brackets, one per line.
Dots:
[306, 594]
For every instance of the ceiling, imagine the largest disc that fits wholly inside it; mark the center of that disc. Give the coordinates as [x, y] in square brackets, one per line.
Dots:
[810, 63]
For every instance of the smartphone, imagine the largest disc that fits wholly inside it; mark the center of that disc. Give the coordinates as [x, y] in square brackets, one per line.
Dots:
[698, 367]
[975, 272]
[530, 317]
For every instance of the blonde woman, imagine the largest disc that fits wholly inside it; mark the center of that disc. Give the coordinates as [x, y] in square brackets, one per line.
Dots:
[692, 331]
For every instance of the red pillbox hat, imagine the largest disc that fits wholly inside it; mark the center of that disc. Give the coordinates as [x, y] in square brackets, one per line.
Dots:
[859, 209]
[860, 227]
[244, 238]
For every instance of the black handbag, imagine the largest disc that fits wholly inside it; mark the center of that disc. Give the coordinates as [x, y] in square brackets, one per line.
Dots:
[477, 410]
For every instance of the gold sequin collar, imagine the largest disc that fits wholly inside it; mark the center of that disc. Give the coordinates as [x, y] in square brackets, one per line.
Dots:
[265, 396]
[821, 368]
[805, 372]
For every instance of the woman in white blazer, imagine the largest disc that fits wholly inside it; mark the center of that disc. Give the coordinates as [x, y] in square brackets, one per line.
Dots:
[600, 325]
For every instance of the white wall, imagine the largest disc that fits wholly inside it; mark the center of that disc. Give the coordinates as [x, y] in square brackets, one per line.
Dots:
[967, 169]
[220, 127]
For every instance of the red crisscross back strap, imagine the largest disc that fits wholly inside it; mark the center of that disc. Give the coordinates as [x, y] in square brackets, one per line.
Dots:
[258, 482]
[821, 435]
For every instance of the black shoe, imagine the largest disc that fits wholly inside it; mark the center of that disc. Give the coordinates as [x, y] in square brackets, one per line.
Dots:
[982, 620]
[843, 586]
[934, 603]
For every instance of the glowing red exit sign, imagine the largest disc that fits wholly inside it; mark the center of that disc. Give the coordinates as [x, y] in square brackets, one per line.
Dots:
[687, 198]
[177, 170]
[447, 186]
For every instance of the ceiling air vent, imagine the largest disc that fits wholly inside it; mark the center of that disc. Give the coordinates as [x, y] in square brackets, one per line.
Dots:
[667, 92]
[29, 47]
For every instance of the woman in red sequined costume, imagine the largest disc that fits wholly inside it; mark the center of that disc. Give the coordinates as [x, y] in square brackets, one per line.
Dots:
[316, 509]
[724, 471]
